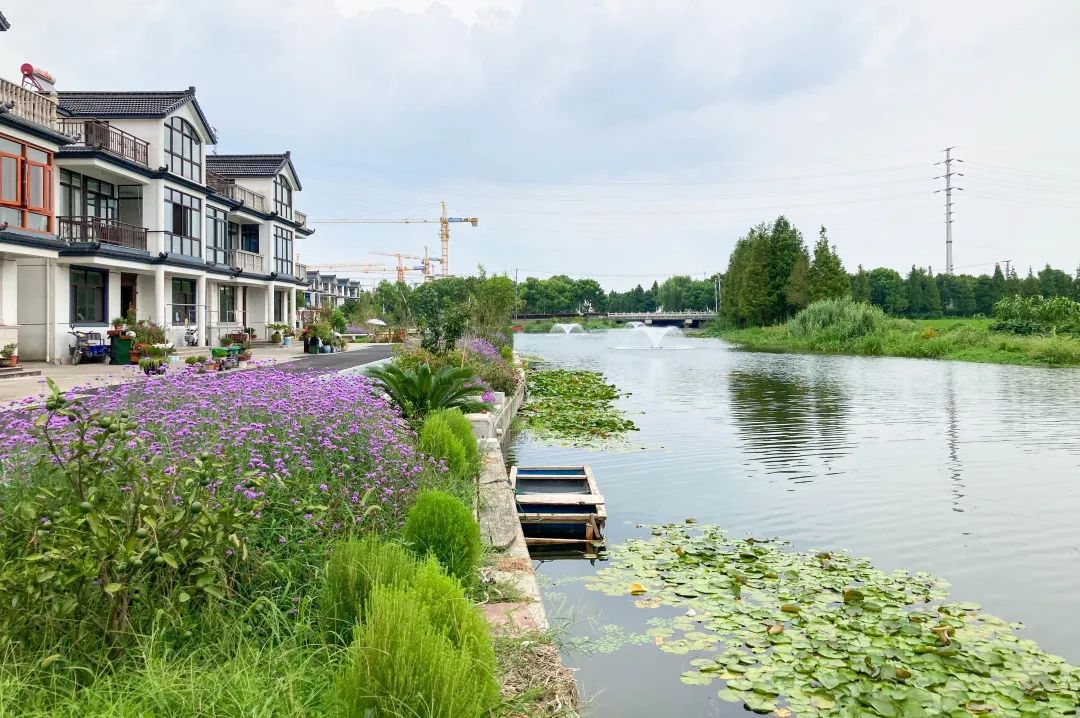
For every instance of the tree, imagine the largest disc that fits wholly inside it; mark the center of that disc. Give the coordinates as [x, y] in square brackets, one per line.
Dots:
[419, 391]
[887, 290]
[798, 289]
[860, 286]
[441, 312]
[494, 301]
[828, 279]
[916, 296]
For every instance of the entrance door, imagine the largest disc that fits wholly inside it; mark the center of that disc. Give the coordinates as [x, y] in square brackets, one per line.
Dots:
[128, 293]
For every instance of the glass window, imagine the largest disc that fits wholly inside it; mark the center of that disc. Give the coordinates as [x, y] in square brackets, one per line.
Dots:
[283, 197]
[183, 149]
[26, 185]
[184, 310]
[217, 238]
[249, 238]
[227, 304]
[283, 251]
[183, 223]
[88, 291]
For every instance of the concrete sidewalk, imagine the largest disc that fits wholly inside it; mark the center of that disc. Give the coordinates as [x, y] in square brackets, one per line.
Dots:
[95, 376]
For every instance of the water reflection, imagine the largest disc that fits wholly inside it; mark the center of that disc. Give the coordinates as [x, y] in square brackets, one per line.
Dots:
[793, 424]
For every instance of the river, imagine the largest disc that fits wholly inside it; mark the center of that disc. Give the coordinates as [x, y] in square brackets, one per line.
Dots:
[968, 471]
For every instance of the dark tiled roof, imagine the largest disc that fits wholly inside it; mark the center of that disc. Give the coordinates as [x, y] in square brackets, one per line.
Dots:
[251, 165]
[132, 104]
[4, 24]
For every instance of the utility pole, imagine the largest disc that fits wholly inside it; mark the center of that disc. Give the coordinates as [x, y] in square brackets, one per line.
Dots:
[949, 159]
[1008, 265]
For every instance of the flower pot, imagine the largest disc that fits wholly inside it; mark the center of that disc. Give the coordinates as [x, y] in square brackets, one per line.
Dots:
[287, 341]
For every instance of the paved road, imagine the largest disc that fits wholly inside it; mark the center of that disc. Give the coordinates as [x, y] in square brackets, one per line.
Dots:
[340, 360]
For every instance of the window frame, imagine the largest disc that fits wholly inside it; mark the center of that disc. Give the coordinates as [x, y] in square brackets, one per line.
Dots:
[74, 297]
[188, 156]
[283, 240]
[283, 196]
[217, 235]
[191, 217]
[231, 290]
[24, 165]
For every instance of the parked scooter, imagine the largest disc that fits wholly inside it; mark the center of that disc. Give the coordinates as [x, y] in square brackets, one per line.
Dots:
[88, 346]
[191, 336]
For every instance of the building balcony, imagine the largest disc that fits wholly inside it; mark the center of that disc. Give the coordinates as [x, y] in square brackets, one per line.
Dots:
[229, 188]
[248, 261]
[103, 231]
[101, 135]
[300, 218]
[27, 104]
[301, 271]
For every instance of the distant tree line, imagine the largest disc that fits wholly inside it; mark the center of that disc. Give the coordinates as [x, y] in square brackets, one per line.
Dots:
[771, 275]
[562, 295]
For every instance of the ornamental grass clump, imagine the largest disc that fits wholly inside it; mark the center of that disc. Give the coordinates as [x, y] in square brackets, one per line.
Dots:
[438, 440]
[405, 662]
[837, 320]
[462, 429]
[356, 566]
[442, 525]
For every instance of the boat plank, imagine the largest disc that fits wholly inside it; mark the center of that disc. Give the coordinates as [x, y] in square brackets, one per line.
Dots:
[560, 499]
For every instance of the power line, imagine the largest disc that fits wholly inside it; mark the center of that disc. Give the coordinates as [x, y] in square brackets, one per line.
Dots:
[949, 159]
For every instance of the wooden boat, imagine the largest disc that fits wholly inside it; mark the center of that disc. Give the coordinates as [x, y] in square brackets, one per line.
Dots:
[559, 507]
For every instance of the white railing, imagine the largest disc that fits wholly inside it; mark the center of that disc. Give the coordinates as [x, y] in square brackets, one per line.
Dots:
[29, 105]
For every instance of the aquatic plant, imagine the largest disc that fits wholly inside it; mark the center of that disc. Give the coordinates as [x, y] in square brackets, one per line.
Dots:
[825, 633]
[575, 406]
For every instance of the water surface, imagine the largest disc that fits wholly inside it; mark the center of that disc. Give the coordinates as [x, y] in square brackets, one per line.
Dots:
[968, 471]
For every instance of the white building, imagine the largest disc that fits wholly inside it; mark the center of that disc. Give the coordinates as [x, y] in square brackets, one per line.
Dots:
[330, 290]
[114, 201]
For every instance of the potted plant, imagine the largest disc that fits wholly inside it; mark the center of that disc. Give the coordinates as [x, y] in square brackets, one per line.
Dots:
[136, 352]
[276, 337]
[117, 327]
[287, 336]
[250, 331]
[152, 365]
[10, 355]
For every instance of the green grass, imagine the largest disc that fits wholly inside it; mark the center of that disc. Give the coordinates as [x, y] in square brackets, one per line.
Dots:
[953, 339]
[236, 663]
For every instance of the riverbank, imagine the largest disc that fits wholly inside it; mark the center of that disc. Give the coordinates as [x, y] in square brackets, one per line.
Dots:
[967, 340]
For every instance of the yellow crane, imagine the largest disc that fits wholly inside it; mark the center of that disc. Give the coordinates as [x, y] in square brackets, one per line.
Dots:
[444, 222]
[424, 266]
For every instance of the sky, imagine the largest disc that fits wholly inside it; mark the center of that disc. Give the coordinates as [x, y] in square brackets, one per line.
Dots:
[626, 140]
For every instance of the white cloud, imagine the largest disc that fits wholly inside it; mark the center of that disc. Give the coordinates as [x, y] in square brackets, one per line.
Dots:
[545, 117]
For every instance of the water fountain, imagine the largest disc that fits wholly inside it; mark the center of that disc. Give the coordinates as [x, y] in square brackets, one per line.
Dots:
[634, 325]
[567, 328]
[656, 334]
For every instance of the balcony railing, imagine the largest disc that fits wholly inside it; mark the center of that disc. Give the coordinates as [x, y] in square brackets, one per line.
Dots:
[235, 192]
[179, 244]
[105, 231]
[248, 261]
[103, 136]
[29, 105]
[300, 218]
[301, 270]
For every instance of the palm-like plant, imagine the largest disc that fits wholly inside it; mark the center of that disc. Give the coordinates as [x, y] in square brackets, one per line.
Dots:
[420, 390]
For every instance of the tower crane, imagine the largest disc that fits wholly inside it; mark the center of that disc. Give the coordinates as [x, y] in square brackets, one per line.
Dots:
[424, 266]
[444, 222]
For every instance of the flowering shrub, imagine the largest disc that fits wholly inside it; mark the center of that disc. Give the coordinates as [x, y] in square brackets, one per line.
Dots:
[296, 458]
[481, 356]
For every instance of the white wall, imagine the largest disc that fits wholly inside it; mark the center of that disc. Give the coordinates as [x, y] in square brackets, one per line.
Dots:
[33, 328]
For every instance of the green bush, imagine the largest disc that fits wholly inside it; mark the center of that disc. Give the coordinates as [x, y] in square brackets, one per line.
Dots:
[355, 567]
[442, 525]
[506, 351]
[838, 319]
[463, 431]
[438, 439]
[404, 664]
[498, 373]
[424, 389]
[455, 615]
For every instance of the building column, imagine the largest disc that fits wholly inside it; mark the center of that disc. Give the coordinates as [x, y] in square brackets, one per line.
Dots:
[9, 286]
[202, 311]
[290, 307]
[159, 296]
[270, 290]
